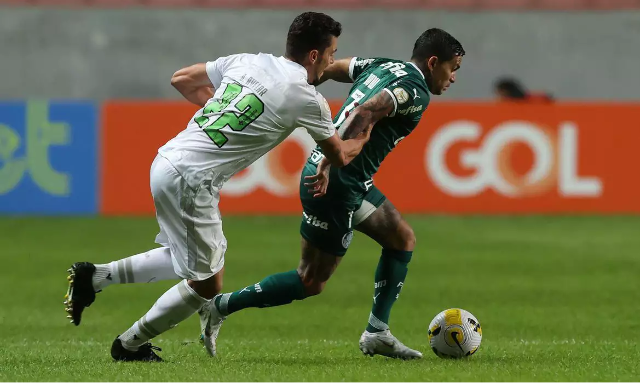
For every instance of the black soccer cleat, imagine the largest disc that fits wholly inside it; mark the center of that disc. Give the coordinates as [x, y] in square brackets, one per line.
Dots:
[80, 293]
[144, 354]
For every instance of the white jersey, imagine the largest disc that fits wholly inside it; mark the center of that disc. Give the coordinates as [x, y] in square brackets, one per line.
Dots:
[259, 100]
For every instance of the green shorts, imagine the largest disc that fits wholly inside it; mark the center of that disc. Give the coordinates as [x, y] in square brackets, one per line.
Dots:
[328, 221]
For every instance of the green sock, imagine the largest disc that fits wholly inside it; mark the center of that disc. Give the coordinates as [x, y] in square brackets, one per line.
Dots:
[390, 275]
[274, 290]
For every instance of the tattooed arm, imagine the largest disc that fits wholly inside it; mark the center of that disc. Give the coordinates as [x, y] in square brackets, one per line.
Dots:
[357, 126]
[366, 115]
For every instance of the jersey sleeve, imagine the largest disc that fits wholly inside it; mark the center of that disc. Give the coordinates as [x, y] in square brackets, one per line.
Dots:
[357, 66]
[317, 119]
[409, 98]
[216, 69]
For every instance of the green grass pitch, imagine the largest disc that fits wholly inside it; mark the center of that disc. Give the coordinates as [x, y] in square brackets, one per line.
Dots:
[558, 299]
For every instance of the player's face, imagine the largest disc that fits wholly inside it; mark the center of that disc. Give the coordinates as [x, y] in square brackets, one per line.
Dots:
[443, 73]
[327, 57]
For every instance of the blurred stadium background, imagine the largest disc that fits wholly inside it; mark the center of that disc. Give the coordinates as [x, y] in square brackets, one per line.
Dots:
[525, 209]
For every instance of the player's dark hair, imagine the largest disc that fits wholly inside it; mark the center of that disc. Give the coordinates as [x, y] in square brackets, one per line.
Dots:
[436, 42]
[311, 31]
[512, 88]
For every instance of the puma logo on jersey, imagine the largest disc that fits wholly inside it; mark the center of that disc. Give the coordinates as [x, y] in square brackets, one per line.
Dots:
[314, 221]
[415, 94]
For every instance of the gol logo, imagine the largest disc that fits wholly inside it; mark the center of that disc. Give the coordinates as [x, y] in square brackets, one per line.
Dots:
[555, 160]
[269, 172]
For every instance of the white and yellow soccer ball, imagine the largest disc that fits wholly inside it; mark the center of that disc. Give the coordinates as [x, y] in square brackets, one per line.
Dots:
[455, 333]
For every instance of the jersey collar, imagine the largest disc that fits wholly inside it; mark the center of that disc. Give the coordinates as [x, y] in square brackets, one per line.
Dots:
[415, 66]
[296, 66]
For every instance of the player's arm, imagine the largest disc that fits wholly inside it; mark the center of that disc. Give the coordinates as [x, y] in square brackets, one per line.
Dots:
[316, 119]
[338, 152]
[338, 71]
[366, 115]
[358, 124]
[194, 84]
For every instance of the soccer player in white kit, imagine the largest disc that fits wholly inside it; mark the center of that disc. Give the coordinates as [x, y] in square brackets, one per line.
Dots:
[250, 103]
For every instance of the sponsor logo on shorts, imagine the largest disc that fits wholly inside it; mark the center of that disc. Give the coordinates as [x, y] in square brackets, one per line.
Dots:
[314, 221]
[316, 156]
[368, 184]
[346, 240]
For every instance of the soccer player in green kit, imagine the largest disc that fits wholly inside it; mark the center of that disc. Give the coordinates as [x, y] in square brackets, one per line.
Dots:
[392, 94]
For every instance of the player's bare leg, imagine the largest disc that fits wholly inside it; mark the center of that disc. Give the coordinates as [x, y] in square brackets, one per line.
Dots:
[309, 279]
[387, 227]
[86, 279]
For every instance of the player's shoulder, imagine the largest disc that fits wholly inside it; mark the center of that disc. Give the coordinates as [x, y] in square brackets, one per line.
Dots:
[263, 60]
[304, 97]
[236, 57]
[374, 60]
[411, 94]
[413, 81]
[318, 103]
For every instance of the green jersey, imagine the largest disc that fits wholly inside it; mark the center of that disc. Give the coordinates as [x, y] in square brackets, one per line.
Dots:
[407, 87]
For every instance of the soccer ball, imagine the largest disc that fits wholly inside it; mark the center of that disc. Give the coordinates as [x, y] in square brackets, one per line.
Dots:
[455, 333]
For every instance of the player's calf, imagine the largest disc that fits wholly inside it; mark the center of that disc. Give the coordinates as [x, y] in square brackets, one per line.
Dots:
[387, 227]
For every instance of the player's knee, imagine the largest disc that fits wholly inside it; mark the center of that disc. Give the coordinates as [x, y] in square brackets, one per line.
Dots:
[312, 284]
[207, 288]
[406, 238]
[314, 288]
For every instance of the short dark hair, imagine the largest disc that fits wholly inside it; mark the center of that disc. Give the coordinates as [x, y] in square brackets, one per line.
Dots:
[436, 42]
[511, 87]
[309, 31]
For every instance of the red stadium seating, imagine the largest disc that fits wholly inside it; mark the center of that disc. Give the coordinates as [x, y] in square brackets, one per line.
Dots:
[55, 2]
[450, 4]
[476, 5]
[113, 3]
[172, 3]
[615, 4]
[505, 4]
[560, 4]
[232, 3]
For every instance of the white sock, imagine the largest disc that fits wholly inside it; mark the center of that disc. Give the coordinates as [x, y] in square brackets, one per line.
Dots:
[174, 306]
[151, 266]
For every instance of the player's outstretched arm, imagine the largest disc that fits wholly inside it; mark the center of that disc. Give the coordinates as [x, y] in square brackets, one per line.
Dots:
[338, 71]
[194, 84]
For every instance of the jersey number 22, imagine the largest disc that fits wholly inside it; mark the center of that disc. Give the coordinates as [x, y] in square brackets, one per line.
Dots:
[212, 121]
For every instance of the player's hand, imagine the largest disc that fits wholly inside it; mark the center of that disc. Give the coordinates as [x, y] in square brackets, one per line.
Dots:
[318, 183]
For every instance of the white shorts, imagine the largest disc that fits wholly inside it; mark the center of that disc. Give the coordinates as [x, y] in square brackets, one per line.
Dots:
[190, 222]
